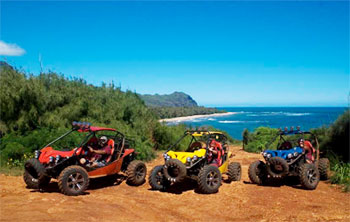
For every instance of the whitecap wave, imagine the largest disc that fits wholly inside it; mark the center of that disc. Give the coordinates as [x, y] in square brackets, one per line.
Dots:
[237, 121]
[279, 114]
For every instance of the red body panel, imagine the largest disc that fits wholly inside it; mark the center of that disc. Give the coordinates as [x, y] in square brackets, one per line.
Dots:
[48, 151]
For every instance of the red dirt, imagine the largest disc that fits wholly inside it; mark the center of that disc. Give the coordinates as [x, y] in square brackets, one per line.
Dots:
[238, 201]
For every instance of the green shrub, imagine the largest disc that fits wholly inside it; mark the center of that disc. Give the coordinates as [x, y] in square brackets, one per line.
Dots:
[260, 139]
[341, 175]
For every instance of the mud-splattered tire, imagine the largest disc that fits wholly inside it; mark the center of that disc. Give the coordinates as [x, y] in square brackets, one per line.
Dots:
[277, 167]
[309, 176]
[209, 179]
[234, 171]
[324, 168]
[257, 172]
[34, 174]
[136, 173]
[174, 170]
[73, 181]
[157, 180]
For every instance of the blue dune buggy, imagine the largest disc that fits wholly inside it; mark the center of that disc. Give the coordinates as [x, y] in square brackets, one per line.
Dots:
[295, 156]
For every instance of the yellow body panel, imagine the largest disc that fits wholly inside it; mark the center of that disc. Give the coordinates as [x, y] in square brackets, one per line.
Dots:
[182, 156]
[223, 168]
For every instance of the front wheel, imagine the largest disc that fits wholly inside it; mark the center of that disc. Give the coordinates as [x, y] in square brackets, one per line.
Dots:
[209, 179]
[73, 181]
[309, 176]
[136, 173]
[157, 180]
[257, 172]
[34, 174]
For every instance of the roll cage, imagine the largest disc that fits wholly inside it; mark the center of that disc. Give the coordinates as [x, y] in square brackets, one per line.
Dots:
[118, 137]
[195, 134]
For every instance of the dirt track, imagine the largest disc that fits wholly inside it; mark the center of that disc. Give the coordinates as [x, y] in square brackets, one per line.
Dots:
[238, 201]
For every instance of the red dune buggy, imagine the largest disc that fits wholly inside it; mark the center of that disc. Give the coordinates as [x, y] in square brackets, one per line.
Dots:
[73, 177]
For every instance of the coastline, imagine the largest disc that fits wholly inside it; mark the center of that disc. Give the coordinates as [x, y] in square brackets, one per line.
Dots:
[186, 118]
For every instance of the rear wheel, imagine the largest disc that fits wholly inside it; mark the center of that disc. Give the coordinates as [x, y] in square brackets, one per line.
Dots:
[324, 168]
[309, 176]
[34, 174]
[234, 171]
[157, 180]
[73, 181]
[257, 172]
[209, 179]
[136, 173]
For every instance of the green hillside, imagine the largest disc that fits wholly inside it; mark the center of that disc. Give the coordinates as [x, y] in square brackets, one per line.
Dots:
[175, 105]
[176, 99]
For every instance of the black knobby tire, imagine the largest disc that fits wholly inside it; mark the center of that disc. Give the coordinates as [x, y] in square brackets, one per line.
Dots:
[34, 174]
[157, 180]
[234, 171]
[257, 172]
[309, 176]
[73, 181]
[174, 170]
[136, 173]
[324, 168]
[277, 167]
[209, 179]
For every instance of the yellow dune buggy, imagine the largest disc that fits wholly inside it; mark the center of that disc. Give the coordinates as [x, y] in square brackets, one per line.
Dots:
[197, 162]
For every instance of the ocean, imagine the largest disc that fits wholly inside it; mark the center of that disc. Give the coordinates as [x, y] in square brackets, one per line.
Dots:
[275, 117]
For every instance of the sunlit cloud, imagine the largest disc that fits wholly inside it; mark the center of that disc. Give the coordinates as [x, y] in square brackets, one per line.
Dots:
[8, 49]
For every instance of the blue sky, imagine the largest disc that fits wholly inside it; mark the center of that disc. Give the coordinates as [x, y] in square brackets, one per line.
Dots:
[221, 53]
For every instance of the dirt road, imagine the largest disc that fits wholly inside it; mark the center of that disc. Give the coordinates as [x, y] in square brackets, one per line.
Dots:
[238, 201]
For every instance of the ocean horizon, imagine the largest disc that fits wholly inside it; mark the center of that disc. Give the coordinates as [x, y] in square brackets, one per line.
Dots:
[275, 117]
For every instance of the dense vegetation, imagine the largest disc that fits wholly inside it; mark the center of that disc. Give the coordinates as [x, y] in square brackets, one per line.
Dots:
[171, 112]
[176, 99]
[334, 144]
[36, 108]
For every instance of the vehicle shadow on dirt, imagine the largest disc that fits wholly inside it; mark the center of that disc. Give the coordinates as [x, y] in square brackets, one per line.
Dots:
[272, 182]
[179, 188]
[95, 183]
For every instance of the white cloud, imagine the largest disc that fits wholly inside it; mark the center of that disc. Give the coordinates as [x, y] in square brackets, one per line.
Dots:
[7, 49]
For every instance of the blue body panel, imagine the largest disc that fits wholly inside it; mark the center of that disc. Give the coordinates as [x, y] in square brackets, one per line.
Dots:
[284, 153]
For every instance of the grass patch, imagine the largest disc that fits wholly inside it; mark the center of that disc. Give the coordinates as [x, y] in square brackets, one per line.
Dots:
[11, 171]
[341, 175]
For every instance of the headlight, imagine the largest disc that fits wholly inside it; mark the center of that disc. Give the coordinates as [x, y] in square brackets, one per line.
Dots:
[36, 154]
[188, 159]
[290, 155]
[195, 158]
[166, 156]
[296, 153]
[264, 153]
[58, 157]
[268, 155]
[51, 159]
